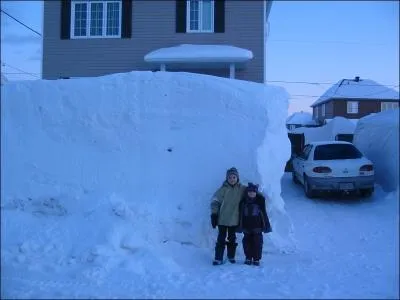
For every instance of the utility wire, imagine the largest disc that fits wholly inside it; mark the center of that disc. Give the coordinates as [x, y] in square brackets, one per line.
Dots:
[23, 24]
[17, 69]
[327, 83]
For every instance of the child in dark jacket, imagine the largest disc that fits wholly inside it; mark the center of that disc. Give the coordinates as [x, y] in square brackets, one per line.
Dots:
[254, 222]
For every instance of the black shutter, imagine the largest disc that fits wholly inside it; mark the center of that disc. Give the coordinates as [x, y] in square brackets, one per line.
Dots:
[65, 19]
[126, 30]
[219, 16]
[180, 16]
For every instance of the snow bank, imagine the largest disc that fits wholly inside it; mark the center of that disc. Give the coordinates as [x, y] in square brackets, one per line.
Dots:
[130, 161]
[377, 136]
[328, 132]
[303, 118]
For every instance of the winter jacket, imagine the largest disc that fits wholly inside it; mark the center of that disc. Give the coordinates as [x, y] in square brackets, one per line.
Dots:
[225, 203]
[253, 216]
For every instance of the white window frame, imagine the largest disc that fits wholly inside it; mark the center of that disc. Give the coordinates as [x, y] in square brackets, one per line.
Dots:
[389, 105]
[352, 107]
[88, 13]
[200, 30]
[323, 110]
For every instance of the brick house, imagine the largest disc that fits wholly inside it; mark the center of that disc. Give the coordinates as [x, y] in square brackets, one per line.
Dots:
[354, 99]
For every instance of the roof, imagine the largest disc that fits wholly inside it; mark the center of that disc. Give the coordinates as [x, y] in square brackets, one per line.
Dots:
[303, 118]
[363, 89]
[199, 53]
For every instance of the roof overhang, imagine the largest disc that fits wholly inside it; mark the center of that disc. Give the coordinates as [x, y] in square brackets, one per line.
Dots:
[199, 56]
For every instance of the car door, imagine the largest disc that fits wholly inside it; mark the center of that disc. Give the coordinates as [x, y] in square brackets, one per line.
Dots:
[303, 158]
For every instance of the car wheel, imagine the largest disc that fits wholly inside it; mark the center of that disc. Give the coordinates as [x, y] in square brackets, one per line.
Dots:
[294, 178]
[307, 189]
[366, 192]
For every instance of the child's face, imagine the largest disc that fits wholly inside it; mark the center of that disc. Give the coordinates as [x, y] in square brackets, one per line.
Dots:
[251, 194]
[232, 179]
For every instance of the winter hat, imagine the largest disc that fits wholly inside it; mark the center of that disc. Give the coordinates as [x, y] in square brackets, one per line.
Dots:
[232, 171]
[251, 187]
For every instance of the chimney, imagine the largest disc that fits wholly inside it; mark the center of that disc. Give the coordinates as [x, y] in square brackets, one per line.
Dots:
[357, 79]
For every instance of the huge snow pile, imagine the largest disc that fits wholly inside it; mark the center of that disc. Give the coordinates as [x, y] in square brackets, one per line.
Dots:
[328, 132]
[377, 136]
[128, 162]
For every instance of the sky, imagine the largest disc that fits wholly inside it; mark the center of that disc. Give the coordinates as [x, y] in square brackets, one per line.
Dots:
[319, 42]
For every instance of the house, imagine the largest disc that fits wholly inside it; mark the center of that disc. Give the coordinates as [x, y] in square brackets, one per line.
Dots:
[354, 99]
[300, 119]
[216, 37]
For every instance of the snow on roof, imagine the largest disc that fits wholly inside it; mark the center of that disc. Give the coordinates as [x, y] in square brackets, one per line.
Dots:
[365, 89]
[303, 118]
[199, 53]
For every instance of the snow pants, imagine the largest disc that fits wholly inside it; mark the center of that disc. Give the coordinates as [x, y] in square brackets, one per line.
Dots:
[252, 245]
[223, 232]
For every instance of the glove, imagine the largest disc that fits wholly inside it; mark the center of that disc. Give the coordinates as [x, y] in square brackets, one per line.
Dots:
[214, 220]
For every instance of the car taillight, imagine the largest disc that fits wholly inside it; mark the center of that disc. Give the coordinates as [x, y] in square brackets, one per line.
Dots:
[322, 170]
[367, 168]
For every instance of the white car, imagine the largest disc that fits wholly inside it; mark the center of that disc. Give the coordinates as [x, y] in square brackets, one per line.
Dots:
[333, 166]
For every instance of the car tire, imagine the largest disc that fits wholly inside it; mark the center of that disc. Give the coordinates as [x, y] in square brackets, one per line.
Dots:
[294, 178]
[366, 192]
[307, 189]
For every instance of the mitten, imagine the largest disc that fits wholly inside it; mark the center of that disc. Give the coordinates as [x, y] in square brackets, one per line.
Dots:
[214, 220]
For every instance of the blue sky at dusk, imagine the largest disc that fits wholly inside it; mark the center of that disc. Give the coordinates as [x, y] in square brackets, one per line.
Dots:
[309, 41]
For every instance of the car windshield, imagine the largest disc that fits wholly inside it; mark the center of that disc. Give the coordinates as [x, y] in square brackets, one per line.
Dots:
[336, 151]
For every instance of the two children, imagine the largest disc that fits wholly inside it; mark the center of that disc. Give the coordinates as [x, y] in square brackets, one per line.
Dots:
[237, 208]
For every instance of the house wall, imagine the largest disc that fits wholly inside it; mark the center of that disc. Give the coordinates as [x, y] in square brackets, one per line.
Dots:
[153, 27]
[338, 108]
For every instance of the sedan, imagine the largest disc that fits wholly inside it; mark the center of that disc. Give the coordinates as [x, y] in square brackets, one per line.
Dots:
[333, 166]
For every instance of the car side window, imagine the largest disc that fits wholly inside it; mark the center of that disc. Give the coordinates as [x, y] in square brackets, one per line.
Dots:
[306, 152]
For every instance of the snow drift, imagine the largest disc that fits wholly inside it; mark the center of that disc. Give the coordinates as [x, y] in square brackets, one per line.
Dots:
[328, 132]
[131, 160]
[377, 136]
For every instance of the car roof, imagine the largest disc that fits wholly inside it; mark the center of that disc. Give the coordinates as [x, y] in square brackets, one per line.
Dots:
[329, 143]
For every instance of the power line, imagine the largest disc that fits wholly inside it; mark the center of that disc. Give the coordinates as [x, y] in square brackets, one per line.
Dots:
[17, 69]
[23, 24]
[325, 83]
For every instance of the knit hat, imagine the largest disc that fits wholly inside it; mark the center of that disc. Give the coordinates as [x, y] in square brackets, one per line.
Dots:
[232, 171]
[251, 187]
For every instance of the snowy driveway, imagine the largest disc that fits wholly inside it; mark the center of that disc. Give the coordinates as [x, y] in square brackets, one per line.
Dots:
[347, 249]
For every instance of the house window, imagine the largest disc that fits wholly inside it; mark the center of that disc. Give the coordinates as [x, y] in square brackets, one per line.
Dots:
[389, 105]
[323, 110]
[352, 107]
[200, 16]
[96, 19]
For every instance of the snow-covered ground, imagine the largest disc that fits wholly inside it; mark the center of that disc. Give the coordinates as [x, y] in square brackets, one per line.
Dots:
[106, 184]
[346, 249]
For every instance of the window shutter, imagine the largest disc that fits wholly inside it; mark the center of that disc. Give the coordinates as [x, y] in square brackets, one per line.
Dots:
[180, 15]
[65, 19]
[219, 16]
[126, 22]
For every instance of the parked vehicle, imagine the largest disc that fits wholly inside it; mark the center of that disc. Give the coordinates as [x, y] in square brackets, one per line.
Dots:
[333, 166]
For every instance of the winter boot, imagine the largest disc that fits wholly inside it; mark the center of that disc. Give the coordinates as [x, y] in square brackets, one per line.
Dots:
[231, 251]
[219, 252]
[256, 262]
[217, 262]
[247, 261]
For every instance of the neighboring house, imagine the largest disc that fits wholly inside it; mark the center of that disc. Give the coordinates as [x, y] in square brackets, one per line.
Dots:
[300, 119]
[93, 38]
[354, 99]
